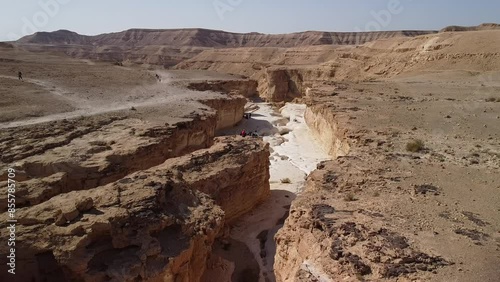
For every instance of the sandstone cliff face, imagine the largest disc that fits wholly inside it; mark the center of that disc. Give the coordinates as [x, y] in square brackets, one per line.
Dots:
[281, 85]
[228, 112]
[72, 155]
[285, 73]
[326, 128]
[235, 174]
[153, 225]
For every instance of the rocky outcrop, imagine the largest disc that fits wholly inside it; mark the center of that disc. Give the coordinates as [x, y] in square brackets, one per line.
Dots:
[485, 26]
[228, 113]
[281, 85]
[135, 229]
[328, 130]
[153, 225]
[235, 174]
[322, 243]
[284, 73]
[329, 238]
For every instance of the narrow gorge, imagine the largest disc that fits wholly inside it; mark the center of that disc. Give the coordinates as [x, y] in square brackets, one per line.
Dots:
[294, 154]
[210, 201]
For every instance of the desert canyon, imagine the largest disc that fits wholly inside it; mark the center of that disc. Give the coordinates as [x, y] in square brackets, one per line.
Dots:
[377, 155]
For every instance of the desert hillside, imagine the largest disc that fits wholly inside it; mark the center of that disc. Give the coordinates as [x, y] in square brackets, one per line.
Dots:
[475, 51]
[168, 47]
[212, 38]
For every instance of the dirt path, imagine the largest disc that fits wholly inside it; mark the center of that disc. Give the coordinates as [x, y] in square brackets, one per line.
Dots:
[47, 86]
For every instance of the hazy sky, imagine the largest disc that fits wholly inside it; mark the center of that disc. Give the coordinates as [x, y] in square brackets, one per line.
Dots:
[18, 18]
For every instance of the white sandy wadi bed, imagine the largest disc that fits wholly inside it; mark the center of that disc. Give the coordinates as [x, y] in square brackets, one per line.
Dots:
[294, 155]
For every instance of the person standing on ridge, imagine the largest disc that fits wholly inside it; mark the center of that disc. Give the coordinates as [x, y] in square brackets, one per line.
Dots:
[20, 76]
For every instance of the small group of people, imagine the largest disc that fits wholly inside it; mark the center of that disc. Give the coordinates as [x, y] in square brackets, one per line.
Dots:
[158, 77]
[244, 133]
[247, 115]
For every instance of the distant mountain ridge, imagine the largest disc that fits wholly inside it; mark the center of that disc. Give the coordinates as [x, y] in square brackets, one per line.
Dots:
[169, 47]
[197, 37]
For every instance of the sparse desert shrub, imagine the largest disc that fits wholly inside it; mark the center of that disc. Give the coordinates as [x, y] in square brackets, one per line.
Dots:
[376, 194]
[492, 99]
[415, 146]
[286, 181]
[350, 197]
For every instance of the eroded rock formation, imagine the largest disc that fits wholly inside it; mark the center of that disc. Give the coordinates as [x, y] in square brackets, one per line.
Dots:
[153, 225]
[323, 238]
[328, 130]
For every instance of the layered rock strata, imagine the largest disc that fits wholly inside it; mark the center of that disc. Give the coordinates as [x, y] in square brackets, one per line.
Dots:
[328, 130]
[153, 225]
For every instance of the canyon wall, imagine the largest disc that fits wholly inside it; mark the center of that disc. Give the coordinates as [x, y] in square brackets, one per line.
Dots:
[153, 225]
[228, 112]
[327, 129]
[147, 229]
[236, 177]
[284, 74]
[170, 47]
